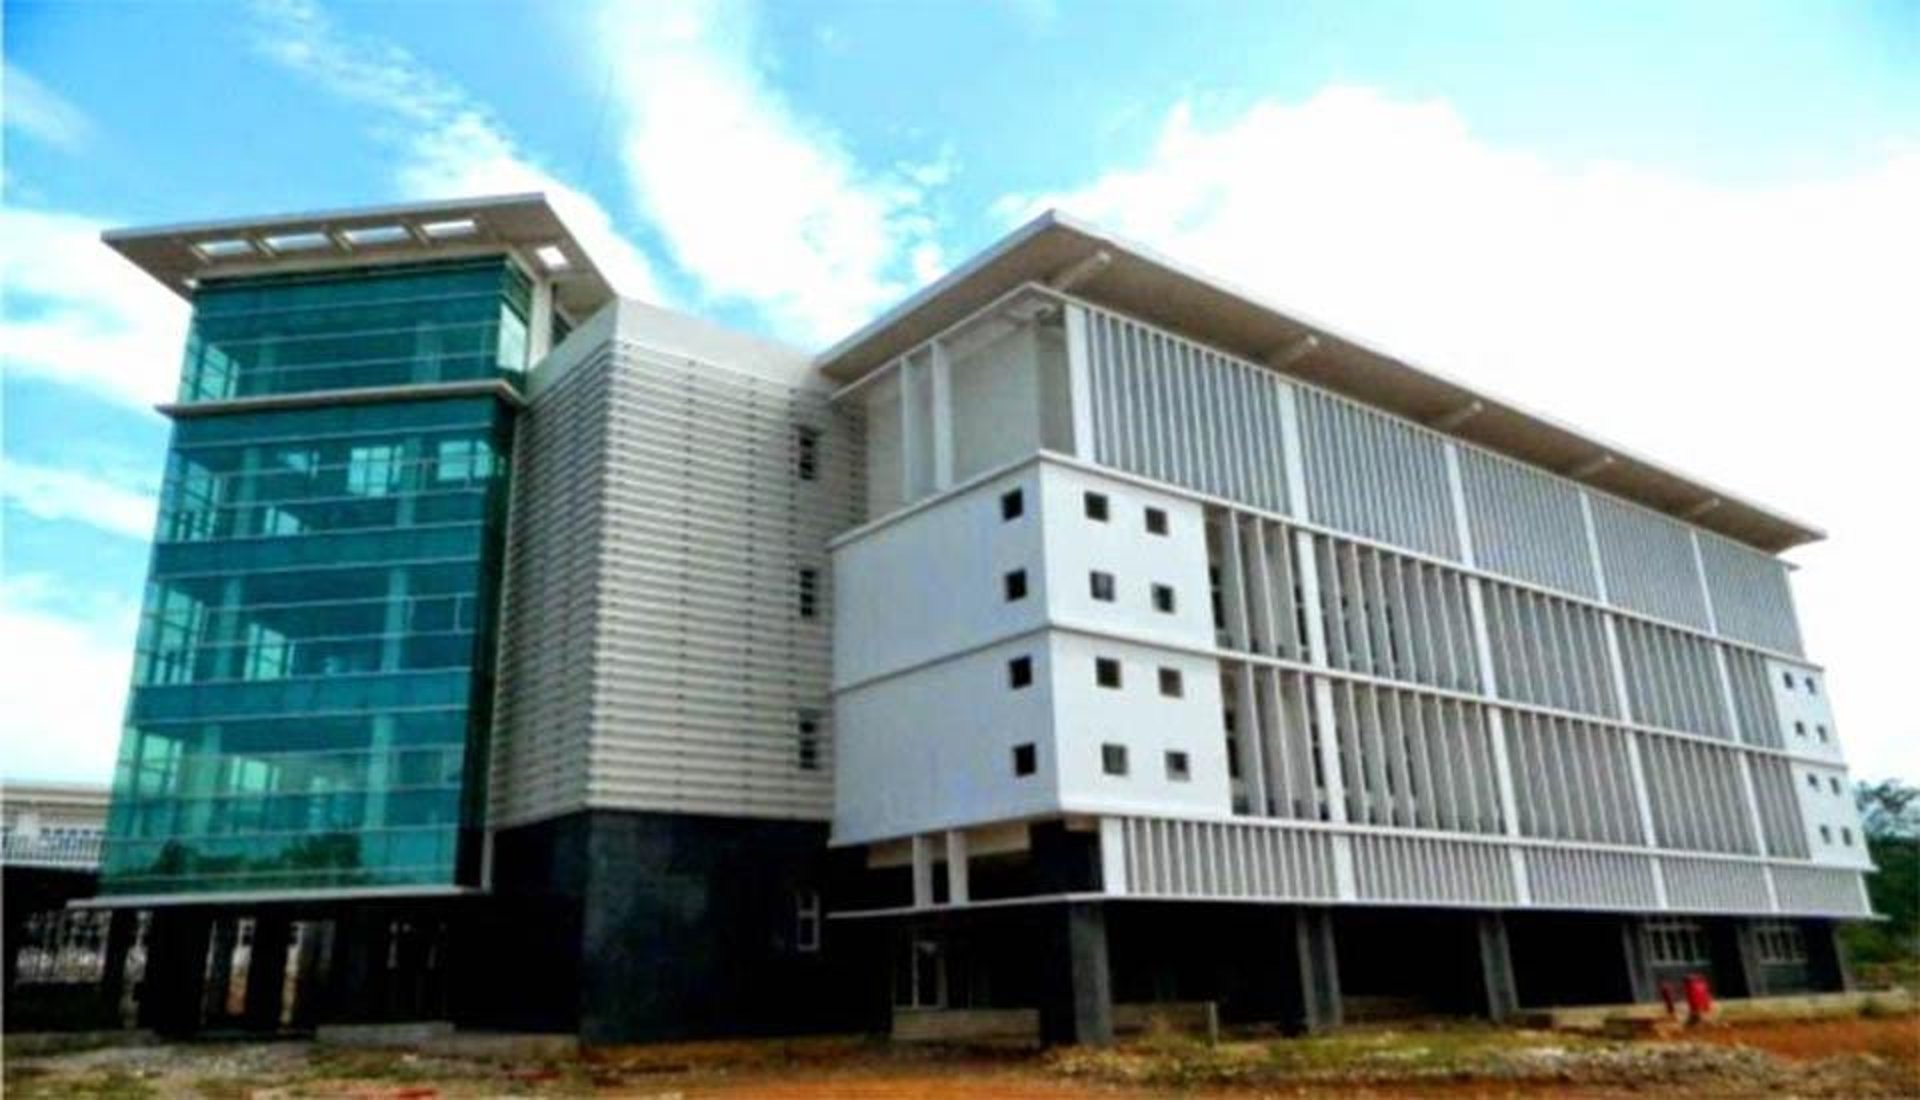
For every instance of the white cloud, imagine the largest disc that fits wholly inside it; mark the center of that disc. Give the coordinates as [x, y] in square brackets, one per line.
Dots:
[51, 493]
[63, 683]
[1759, 336]
[77, 314]
[758, 203]
[38, 111]
[453, 145]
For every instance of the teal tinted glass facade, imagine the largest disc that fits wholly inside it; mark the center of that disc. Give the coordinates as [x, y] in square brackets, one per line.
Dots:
[449, 322]
[312, 683]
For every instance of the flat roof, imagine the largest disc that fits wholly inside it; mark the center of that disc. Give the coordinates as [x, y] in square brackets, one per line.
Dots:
[1131, 279]
[178, 256]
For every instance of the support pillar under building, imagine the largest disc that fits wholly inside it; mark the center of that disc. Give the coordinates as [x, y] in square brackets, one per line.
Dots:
[1826, 959]
[1637, 956]
[1318, 1005]
[170, 993]
[1736, 958]
[1076, 993]
[1500, 993]
[267, 972]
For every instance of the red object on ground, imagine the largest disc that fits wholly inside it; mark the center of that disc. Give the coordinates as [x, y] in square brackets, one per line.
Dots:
[1699, 998]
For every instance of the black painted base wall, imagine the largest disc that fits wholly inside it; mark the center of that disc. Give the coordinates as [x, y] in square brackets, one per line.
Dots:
[625, 927]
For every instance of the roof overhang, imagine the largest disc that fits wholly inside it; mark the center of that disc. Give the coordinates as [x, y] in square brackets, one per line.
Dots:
[1060, 251]
[180, 256]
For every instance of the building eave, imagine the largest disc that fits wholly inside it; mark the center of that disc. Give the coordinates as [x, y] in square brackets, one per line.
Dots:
[177, 255]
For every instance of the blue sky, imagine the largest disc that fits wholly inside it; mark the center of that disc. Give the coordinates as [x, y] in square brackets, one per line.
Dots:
[1688, 226]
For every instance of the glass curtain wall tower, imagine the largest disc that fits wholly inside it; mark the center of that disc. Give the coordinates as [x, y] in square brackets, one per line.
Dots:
[313, 684]
[312, 680]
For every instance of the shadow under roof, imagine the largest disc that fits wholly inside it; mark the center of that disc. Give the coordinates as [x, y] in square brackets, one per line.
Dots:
[1133, 280]
[180, 255]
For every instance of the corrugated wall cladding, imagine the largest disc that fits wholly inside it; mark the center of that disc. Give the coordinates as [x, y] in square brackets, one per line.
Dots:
[1711, 884]
[1422, 869]
[1780, 821]
[1571, 780]
[1395, 617]
[551, 601]
[705, 629]
[1648, 562]
[1526, 523]
[1697, 797]
[1672, 680]
[1753, 698]
[1819, 890]
[1376, 476]
[1410, 759]
[1549, 651]
[1213, 859]
[1590, 880]
[1751, 599]
[1180, 412]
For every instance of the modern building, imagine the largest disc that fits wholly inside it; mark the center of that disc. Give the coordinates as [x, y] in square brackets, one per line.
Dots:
[1082, 634]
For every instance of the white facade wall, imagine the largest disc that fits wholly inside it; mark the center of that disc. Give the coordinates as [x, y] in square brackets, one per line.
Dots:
[926, 718]
[1408, 621]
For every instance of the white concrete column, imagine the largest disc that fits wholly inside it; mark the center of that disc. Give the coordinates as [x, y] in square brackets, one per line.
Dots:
[1080, 382]
[540, 325]
[922, 872]
[957, 884]
[941, 379]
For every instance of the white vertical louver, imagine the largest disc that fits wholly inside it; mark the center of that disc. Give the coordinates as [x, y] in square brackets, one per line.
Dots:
[1751, 598]
[1526, 523]
[1648, 561]
[1180, 412]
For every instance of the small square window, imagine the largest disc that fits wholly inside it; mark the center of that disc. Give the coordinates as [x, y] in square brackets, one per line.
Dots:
[1013, 504]
[1787, 678]
[1813, 781]
[1171, 684]
[1179, 769]
[1019, 672]
[1015, 584]
[1821, 733]
[1101, 586]
[1813, 686]
[1799, 729]
[1026, 759]
[1113, 759]
[809, 605]
[1834, 782]
[1106, 671]
[1846, 836]
[1826, 835]
[807, 742]
[1096, 504]
[806, 452]
[1156, 521]
[1163, 598]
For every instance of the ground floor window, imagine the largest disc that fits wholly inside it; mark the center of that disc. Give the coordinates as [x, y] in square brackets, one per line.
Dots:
[1781, 943]
[1678, 943]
